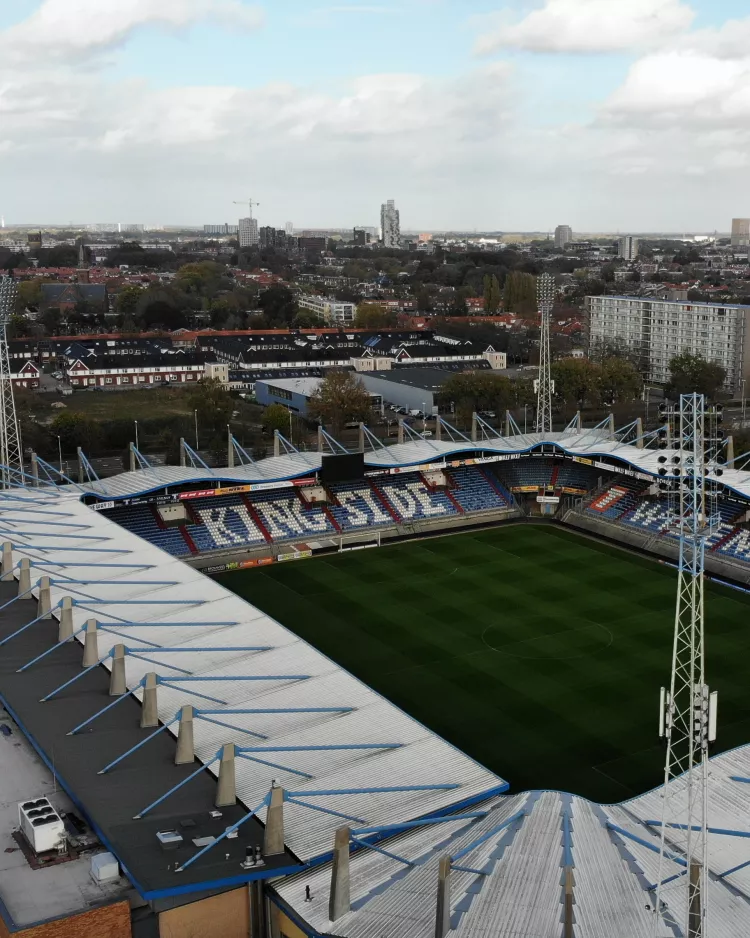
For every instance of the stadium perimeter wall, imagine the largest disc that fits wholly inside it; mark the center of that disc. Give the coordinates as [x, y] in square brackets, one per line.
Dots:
[658, 546]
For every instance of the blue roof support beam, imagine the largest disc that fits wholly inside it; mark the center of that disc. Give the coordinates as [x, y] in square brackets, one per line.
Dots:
[488, 836]
[644, 843]
[229, 726]
[52, 472]
[227, 832]
[275, 765]
[734, 869]
[51, 524]
[137, 746]
[177, 787]
[195, 458]
[711, 830]
[488, 432]
[385, 853]
[244, 457]
[28, 624]
[91, 475]
[322, 810]
[49, 651]
[335, 447]
[373, 440]
[78, 677]
[411, 825]
[289, 448]
[375, 791]
[104, 710]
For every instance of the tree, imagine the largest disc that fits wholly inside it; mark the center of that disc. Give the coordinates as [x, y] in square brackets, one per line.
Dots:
[214, 405]
[127, 300]
[520, 294]
[693, 374]
[305, 319]
[276, 417]
[374, 316]
[577, 380]
[279, 305]
[620, 380]
[339, 398]
[472, 391]
[28, 294]
[491, 294]
[76, 430]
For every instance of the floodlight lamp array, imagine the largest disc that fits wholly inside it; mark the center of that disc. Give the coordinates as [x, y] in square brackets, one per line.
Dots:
[545, 291]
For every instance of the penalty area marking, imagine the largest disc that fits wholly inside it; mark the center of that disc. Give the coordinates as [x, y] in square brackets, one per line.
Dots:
[592, 625]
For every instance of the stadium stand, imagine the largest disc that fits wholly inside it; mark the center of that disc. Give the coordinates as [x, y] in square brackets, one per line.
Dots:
[141, 521]
[532, 473]
[475, 492]
[247, 520]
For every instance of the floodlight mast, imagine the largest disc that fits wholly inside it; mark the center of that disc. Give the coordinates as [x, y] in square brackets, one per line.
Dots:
[11, 457]
[545, 291]
[688, 709]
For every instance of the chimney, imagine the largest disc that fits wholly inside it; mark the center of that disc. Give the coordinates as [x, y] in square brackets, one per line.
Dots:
[91, 643]
[273, 842]
[117, 685]
[185, 747]
[339, 902]
[226, 787]
[65, 626]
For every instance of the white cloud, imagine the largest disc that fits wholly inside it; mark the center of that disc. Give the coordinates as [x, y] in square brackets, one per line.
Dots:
[591, 26]
[66, 29]
[684, 87]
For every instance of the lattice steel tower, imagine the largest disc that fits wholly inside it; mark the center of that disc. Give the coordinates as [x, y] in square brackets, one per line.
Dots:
[545, 292]
[11, 462]
[688, 708]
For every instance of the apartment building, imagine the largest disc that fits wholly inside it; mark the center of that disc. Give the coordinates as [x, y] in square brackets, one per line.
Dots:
[654, 331]
[328, 309]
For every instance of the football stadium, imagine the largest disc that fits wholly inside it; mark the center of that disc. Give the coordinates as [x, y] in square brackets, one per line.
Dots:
[407, 692]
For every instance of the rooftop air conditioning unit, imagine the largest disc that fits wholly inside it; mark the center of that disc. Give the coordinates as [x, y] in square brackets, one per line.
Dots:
[41, 825]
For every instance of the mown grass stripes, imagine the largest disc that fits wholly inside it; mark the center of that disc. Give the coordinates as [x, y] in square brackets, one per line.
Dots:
[537, 651]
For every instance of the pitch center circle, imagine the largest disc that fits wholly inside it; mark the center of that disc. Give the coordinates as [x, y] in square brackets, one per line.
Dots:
[588, 639]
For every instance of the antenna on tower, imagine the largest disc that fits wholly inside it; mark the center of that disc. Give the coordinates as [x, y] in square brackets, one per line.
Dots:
[688, 709]
[11, 457]
[251, 203]
[545, 293]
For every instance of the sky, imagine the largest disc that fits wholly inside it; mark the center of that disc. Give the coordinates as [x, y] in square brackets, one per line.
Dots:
[607, 115]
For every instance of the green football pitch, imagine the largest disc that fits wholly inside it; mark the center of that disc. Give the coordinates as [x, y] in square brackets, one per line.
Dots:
[536, 651]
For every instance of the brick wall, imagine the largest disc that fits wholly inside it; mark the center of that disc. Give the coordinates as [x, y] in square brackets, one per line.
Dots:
[109, 921]
[224, 916]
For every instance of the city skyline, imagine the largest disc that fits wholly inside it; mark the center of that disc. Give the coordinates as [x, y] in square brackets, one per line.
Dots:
[472, 115]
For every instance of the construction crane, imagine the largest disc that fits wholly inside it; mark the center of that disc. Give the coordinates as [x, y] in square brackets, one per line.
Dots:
[251, 203]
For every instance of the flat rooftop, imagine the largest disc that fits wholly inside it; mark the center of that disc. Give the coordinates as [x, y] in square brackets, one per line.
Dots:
[113, 800]
[30, 896]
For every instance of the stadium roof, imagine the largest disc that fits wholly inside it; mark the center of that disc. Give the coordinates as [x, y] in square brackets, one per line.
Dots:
[585, 444]
[508, 883]
[301, 720]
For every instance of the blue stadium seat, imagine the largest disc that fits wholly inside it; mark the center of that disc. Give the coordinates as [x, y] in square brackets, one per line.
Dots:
[473, 491]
